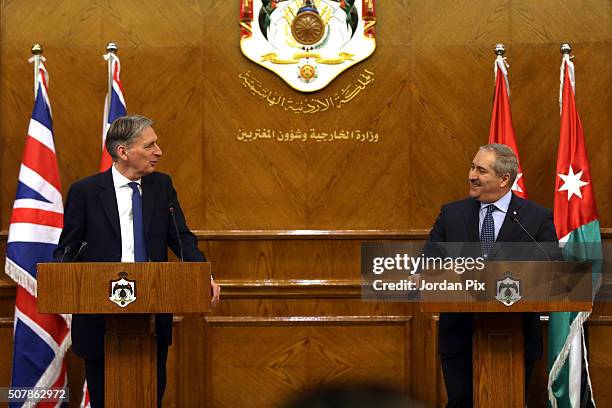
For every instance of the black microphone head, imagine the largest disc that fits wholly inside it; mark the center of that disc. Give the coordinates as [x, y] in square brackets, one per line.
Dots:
[83, 245]
[66, 250]
[171, 207]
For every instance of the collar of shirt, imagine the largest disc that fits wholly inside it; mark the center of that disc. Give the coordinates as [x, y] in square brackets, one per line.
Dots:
[502, 204]
[119, 180]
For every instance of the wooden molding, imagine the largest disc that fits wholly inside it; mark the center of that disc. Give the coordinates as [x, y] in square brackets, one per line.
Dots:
[302, 320]
[290, 289]
[299, 234]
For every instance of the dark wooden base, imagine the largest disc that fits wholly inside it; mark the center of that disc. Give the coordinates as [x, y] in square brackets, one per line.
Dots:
[130, 378]
[498, 360]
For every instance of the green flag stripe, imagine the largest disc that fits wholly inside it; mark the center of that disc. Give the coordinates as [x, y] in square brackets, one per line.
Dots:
[562, 325]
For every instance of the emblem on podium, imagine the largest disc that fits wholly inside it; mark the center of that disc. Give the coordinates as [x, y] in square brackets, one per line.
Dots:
[508, 290]
[122, 290]
[307, 43]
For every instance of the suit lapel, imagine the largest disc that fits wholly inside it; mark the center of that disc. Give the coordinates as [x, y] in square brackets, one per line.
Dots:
[109, 201]
[148, 202]
[471, 220]
[509, 225]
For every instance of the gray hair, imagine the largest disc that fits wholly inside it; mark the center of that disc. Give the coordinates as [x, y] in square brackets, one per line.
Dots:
[505, 160]
[123, 131]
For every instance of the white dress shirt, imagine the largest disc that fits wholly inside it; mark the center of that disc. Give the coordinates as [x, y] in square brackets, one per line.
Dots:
[499, 215]
[123, 192]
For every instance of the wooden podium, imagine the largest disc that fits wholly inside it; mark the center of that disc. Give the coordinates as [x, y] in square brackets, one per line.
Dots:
[138, 291]
[498, 343]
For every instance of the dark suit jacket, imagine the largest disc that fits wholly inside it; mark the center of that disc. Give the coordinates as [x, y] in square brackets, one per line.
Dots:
[458, 222]
[91, 215]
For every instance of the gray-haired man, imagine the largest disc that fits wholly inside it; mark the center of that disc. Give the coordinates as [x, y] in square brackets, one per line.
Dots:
[487, 216]
[123, 216]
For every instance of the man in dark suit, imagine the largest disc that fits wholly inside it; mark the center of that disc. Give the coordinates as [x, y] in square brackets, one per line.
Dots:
[488, 216]
[124, 215]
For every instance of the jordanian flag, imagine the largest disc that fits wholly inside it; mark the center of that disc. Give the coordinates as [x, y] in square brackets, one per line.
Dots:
[577, 226]
[502, 130]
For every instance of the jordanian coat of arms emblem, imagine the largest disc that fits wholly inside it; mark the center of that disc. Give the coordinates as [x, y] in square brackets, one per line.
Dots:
[308, 43]
[122, 290]
[508, 290]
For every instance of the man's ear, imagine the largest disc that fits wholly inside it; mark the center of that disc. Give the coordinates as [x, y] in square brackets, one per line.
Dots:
[505, 179]
[122, 152]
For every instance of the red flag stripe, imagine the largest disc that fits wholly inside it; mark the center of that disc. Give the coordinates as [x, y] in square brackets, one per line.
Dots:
[502, 129]
[53, 324]
[36, 216]
[43, 79]
[42, 160]
[106, 162]
[116, 77]
[61, 379]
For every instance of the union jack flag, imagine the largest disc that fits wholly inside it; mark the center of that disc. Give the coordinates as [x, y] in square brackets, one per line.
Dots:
[114, 105]
[40, 340]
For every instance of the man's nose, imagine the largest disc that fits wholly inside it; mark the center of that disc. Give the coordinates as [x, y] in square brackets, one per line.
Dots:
[158, 152]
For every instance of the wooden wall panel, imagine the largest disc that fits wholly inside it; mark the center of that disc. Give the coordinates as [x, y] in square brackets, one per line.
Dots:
[430, 103]
[6, 343]
[161, 58]
[600, 355]
[444, 141]
[281, 259]
[304, 185]
[269, 363]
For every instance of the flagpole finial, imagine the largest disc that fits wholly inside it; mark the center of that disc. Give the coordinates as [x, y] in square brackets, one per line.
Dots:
[37, 49]
[566, 48]
[500, 49]
[112, 47]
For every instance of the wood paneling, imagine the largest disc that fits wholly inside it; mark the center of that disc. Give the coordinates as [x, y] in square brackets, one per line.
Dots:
[6, 343]
[499, 361]
[430, 103]
[272, 360]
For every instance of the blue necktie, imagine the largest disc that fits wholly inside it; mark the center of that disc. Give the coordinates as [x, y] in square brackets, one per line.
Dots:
[487, 233]
[140, 251]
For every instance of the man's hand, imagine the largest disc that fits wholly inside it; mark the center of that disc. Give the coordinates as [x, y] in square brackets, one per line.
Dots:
[216, 292]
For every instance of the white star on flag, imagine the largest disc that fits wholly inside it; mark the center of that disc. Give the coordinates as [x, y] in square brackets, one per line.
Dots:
[572, 183]
[515, 186]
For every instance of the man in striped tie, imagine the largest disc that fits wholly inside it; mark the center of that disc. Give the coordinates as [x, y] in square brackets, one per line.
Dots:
[490, 215]
[124, 215]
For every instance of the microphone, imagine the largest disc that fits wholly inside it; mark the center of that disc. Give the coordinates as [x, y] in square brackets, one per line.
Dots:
[66, 250]
[515, 219]
[178, 236]
[83, 245]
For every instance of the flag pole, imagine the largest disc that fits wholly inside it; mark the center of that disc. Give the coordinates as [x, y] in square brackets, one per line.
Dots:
[566, 48]
[37, 52]
[566, 63]
[500, 61]
[111, 51]
[500, 49]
